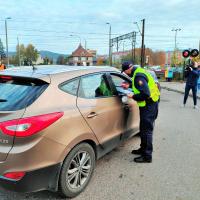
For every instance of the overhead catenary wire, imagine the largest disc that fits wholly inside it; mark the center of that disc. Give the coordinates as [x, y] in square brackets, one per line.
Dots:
[61, 37]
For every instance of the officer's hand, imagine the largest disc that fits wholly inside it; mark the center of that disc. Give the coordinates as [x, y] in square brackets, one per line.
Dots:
[125, 85]
[190, 68]
[130, 95]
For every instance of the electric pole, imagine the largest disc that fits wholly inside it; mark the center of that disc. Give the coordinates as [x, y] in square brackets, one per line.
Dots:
[177, 29]
[19, 52]
[110, 50]
[6, 30]
[133, 47]
[142, 47]
[175, 45]
[132, 56]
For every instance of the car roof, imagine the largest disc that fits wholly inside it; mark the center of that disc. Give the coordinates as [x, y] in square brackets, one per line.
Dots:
[41, 71]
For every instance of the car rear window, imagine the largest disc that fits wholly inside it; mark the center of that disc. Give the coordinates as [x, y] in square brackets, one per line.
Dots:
[17, 93]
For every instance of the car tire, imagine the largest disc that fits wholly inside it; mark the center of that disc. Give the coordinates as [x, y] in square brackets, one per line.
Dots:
[77, 170]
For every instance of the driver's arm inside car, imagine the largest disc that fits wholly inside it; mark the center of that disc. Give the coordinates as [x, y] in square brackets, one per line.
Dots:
[125, 85]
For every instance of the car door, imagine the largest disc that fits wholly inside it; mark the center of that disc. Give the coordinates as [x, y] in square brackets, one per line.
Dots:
[131, 109]
[101, 109]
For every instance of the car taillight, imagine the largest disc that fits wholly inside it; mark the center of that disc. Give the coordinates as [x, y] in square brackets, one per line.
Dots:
[29, 126]
[16, 176]
[6, 77]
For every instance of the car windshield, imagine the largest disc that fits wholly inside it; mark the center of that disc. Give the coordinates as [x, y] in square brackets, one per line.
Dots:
[16, 94]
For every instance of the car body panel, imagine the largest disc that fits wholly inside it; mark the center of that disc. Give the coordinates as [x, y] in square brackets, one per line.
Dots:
[109, 116]
[131, 110]
[50, 146]
[6, 141]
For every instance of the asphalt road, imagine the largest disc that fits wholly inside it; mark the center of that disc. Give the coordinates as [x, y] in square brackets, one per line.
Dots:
[173, 175]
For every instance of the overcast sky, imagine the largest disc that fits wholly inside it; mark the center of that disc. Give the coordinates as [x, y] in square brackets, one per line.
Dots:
[48, 24]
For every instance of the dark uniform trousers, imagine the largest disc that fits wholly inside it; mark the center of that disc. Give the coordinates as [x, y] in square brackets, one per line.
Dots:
[148, 115]
[194, 92]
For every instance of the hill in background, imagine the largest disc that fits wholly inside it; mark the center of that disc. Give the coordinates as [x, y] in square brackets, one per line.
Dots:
[43, 53]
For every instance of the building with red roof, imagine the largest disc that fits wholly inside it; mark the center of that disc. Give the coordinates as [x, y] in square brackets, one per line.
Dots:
[81, 57]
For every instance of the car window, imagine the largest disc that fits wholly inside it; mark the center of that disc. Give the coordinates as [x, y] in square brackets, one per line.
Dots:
[118, 81]
[16, 94]
[70, 87]
[94, 86]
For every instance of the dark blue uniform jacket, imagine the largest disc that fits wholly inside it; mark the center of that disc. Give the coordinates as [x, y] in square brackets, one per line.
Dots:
[192, 77]
[141, 83]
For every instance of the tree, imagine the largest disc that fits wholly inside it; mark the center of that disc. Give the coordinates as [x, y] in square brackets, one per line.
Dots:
[46, 60]
[20, 54]
[51, 61]
[101, 61]
[67, 59]
[196, 59]
[31, 54]
[60, 60]
[2, 53]
[128, 57]
[174, 59]
[159, 58]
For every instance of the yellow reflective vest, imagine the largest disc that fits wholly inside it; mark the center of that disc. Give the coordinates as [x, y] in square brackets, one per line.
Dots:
[154, 91]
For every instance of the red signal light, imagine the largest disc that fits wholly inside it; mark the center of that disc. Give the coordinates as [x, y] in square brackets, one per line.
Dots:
[186, 53]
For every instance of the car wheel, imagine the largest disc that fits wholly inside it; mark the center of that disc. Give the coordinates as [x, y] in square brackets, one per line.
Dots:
[77, 170]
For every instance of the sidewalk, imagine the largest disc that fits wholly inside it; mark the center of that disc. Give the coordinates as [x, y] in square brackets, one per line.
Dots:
[176, 87]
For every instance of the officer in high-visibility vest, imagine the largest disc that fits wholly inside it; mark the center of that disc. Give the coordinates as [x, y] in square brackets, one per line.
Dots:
[147, 94]
[2, 67]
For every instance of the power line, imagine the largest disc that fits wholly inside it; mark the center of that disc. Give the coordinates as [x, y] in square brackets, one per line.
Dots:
[94, 33]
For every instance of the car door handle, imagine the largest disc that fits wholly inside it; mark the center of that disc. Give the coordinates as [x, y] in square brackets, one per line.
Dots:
[92, 114]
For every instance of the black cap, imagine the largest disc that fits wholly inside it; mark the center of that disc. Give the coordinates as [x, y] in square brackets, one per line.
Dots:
[126, 65]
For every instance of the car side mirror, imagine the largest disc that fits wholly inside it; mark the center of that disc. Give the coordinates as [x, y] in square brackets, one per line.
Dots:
[124, 99]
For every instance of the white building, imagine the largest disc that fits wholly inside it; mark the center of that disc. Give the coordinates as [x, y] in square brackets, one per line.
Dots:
[81, 57]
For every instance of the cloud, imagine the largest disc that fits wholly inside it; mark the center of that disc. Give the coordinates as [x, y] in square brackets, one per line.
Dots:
[30, 20]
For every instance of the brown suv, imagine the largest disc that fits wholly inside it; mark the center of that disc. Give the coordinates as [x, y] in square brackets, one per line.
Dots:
[56, 121]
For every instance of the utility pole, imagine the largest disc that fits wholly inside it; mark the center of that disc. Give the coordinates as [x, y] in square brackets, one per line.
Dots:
[85, 44]
[199, 46]
[175, 45]
[177, 29]
[19, 51]
[132, 56]
[110, 50]
[134, 50]
[6, 30]
[144, 56]
[142, 47]
[133, 47]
